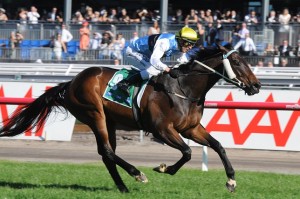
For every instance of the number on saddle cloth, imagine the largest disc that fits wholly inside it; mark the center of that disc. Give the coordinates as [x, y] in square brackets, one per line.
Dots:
[113, 93]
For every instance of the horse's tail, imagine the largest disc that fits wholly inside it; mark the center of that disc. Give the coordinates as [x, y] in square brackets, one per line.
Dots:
[36, 113]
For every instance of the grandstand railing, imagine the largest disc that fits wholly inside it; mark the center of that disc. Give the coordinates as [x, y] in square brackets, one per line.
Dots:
[262, 33]
[277, 77]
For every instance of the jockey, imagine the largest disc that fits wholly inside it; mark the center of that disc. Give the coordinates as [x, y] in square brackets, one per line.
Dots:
[146, 52]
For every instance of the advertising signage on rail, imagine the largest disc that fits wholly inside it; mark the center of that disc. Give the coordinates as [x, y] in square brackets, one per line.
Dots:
[254, 129]
[235, 128]
[59, 126]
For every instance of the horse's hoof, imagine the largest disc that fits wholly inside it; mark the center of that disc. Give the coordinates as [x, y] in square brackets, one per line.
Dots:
[123, 189]
[230, 187]
[141, 178]
[161, 168]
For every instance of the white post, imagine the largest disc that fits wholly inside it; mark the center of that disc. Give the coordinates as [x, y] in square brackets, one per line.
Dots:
[204, 159]
[141, 135]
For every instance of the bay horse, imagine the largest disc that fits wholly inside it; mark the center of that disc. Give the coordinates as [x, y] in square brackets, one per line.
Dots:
[170, 107]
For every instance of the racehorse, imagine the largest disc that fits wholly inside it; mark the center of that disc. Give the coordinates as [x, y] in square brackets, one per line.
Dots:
[170, 107]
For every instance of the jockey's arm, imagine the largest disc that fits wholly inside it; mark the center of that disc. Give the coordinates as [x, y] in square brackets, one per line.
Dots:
[161, 46]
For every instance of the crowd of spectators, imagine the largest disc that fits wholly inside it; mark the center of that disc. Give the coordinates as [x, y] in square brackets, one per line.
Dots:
[121, 15]
[208, 23]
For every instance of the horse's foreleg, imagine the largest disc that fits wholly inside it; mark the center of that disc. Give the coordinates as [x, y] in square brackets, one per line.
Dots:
[200, 136]
[215, 145]
[172, 138]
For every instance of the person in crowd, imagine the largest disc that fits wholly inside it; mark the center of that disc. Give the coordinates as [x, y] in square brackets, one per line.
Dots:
[107, 38]
[178, 17]
[14, 42]
[89, 14]
[234, 17]
[260, 63]
[134, 37]
[201, 17]
[246, 47]
[84, 40]
[217, 15]
[283, 62]
[66, 35]
[146, 53]
[95, 17]
[251, 18]
[191, 18]
[285, 49]
[58, 47]
[116, 46]
[201, 35]
[235, 35]
[144, 15]
[284, 19]
[103, 16]
[135, 17]
[113, 17]
[270, 64]
[154, 15]
[3, 16]
[208, 16]
[219, 38]
[297, 50]
[226, 17]
[78, 18]
[53, 16]
[22, 15]
[272, 18]
[269, 50]
[95, 42]
[296, 18]
[211, 34]
[155, 29]
[33, 15]
[243, 31]
[124, 17]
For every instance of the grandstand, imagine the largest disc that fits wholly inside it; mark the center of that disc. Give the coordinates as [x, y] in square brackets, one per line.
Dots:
[36, 43]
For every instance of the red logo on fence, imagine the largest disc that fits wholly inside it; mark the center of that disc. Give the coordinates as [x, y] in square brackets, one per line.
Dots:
[280, 137]
[5, 115]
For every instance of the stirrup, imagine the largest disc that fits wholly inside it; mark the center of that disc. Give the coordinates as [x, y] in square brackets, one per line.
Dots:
[124, 87]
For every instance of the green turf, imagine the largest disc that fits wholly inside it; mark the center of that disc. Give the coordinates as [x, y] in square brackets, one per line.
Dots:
[20, 180]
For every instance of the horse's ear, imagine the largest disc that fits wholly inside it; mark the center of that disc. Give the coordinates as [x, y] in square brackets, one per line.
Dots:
[228, 46]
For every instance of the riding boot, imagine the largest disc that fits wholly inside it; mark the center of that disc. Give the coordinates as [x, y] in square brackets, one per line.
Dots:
[126, 83]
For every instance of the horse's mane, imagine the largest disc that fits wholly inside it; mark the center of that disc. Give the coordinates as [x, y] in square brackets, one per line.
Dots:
[207, 52]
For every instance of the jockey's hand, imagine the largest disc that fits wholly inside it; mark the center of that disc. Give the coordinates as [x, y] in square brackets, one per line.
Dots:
[174, 73]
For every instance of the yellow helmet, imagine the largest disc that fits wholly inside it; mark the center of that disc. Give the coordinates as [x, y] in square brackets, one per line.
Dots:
[187, 34]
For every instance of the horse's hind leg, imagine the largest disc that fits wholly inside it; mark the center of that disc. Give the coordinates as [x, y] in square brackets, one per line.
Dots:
[172, 138]
[200, 136]
[110, 165]
[109, 157]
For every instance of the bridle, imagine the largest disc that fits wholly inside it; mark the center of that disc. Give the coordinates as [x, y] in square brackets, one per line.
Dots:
[228, 69]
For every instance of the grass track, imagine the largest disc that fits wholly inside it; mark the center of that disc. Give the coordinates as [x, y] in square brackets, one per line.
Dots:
[20, 180]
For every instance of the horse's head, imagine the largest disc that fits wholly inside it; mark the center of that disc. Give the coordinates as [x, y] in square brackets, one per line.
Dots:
[229, 65]
[239, 72]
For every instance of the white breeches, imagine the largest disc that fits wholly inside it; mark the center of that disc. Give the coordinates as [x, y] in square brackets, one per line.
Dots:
[141, 62]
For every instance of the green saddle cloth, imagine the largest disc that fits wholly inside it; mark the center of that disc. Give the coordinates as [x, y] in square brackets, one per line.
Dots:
[114, 94]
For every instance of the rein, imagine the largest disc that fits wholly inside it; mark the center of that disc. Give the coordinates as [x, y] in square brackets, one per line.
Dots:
[232, 77]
